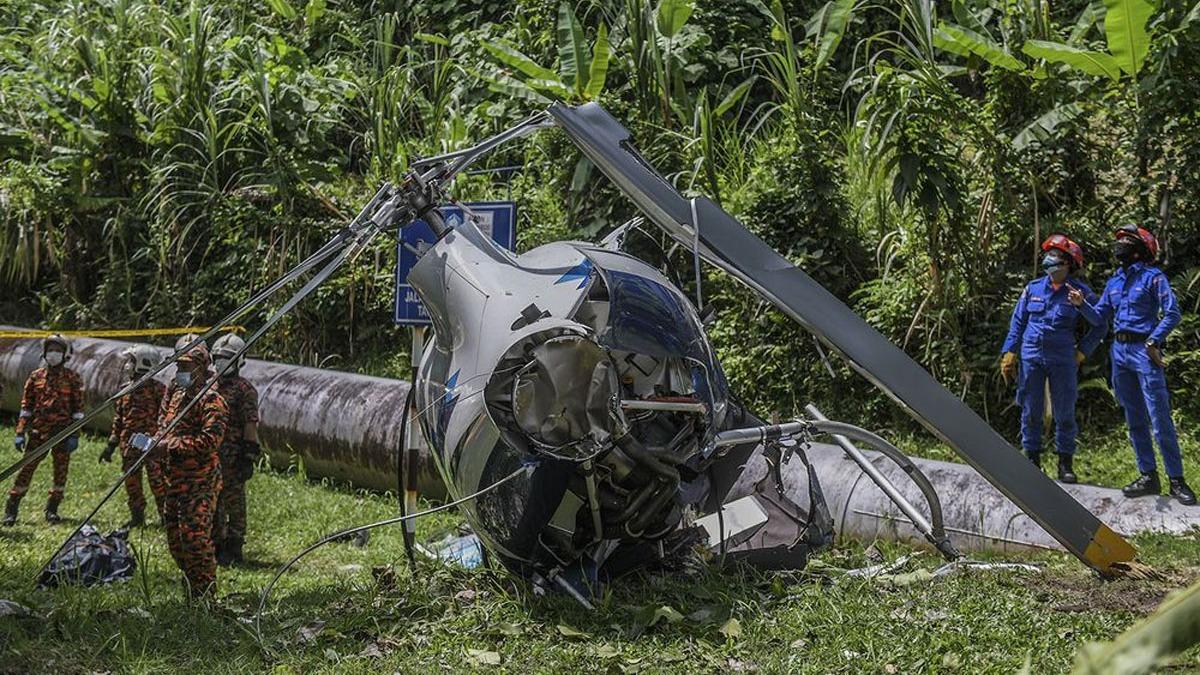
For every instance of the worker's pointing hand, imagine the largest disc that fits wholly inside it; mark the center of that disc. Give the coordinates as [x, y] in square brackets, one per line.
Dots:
[1075, 296]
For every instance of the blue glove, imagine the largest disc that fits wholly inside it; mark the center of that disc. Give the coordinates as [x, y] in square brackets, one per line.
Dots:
[71, 443]
[19, 442]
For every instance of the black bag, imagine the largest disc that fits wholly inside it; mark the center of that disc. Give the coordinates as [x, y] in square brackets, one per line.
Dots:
[90, 558]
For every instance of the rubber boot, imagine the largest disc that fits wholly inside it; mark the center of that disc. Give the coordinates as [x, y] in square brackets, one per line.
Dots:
[1180, 490]
[52, 516]
[1036, 458]
[10, 511]
[1147, 484]
[1066, 470]
[233, 551]
[136, 519]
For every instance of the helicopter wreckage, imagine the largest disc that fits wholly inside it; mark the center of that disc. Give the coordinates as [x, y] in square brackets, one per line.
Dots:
[578, 413]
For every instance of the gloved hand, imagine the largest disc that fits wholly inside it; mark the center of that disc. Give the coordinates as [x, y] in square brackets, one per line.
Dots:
[106, 456]
[247, 460]
[71, 443]
[19, 442]
[1079, 357]
[1008, 367]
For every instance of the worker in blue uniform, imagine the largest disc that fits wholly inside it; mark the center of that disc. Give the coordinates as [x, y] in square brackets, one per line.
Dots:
[1139, 302]
[1042, 340]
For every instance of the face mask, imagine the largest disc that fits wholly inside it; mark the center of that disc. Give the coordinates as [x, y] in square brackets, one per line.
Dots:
[1055, 267]
[1125, 251]
[54, 358]
[183, 379]
[220, 365]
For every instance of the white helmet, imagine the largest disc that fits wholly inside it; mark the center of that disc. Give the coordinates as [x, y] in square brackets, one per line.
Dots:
[59, 341]
[141, 359]
[226, 348]
[185, 340]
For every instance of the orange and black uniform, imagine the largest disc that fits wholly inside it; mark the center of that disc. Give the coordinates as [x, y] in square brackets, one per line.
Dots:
[137, 413]
[193, 475]
[242, 400]
[53, 398]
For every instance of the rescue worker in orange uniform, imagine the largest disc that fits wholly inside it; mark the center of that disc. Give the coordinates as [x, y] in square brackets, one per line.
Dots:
[188, 452]
[239, 451]
[137, 412]
[52, 400]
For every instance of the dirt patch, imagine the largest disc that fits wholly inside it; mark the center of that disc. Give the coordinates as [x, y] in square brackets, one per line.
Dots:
[1066, 591]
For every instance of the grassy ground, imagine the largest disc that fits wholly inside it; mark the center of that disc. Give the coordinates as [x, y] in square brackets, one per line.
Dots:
[1103, 457]
[360, 609]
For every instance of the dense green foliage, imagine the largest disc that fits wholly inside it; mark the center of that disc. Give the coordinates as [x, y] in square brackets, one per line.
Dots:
[335, 613]
[162, 159]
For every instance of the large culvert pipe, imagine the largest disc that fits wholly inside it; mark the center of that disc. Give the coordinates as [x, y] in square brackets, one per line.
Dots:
[346, 427]
[977, 516]
[340, 425]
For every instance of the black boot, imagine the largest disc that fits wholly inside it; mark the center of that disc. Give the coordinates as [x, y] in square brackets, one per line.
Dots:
[10, 511]
[222, 550]
[1182, 492]
[233, 551]
[1144, 486]
[1036, 458]
[1066, 470]
[136, 519]
[52, 516]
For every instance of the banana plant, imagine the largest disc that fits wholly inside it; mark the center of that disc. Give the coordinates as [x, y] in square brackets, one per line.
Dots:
[581, 73]
[1127, 36]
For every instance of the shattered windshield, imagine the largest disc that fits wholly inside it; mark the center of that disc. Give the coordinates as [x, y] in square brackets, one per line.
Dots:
[651, 318]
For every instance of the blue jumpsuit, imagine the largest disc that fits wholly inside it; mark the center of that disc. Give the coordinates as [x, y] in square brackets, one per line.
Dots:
[1042, 333]
[1134, 298]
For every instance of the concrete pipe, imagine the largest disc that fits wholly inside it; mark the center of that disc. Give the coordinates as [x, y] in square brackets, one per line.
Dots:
[340, 425]
[977, 516]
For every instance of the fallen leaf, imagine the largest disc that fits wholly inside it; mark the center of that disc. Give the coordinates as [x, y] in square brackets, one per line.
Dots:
[668, 613]
[572, 633]
[890, 669]
[739, 666]
[873, 554]
[371, 651]
[466, 596]
[799, 643]
[510, 629]
[731, 628]
[702, 615]
[309, 633]
[607, 651]
[951, 660]
[483, 657]
[385, 577]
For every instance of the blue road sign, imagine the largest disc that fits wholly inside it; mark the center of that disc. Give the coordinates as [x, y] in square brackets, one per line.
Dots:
[499, 219]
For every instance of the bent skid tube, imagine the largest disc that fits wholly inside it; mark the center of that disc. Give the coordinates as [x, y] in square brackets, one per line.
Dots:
[727, 244]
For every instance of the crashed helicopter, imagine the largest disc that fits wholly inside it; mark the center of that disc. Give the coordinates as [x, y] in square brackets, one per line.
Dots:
[578, 413]
[590, 367]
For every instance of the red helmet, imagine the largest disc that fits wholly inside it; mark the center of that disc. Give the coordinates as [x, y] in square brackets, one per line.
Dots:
[1139, 234]
[1062, 243]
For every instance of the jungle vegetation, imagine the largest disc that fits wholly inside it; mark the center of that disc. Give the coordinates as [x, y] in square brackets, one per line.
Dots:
[160, 160]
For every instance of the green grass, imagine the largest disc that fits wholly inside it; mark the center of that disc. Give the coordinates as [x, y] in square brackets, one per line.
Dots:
[984, 622]
[1103, 457]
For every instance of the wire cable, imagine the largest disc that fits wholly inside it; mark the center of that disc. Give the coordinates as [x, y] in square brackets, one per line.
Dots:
[526, 469]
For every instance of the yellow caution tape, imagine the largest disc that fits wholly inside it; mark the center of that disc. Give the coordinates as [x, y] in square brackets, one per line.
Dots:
[120, 332]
